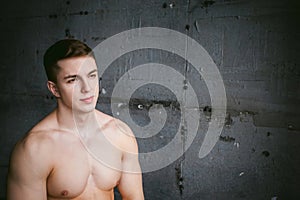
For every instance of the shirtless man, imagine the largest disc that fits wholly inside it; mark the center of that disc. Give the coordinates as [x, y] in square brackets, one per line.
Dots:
[76, 152]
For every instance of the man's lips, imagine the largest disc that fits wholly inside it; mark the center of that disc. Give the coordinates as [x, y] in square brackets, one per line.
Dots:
[88, 99]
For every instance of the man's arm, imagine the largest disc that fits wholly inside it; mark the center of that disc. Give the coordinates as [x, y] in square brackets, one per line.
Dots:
[130, 185]
[28, 170]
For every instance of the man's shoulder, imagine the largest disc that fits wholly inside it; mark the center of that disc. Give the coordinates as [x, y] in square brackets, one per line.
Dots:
[112, 123]
[31, 154]
[34, 142]
[38, 139]
[119, 133]
[103, 117]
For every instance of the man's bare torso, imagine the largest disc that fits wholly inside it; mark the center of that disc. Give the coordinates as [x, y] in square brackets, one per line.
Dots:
[77, 173]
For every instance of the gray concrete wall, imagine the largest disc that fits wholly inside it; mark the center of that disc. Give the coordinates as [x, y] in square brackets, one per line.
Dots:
[255, 45]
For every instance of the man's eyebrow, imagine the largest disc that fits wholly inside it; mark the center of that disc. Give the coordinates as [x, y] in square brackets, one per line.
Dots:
[70, 76]
[75, 75]
[95, 70]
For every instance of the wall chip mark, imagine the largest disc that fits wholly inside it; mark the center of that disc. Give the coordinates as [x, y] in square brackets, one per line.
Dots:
[266, 153]
[227, 138]
[207, 3]
[179, 179]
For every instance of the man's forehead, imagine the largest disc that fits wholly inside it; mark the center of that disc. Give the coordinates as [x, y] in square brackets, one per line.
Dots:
[77, 64]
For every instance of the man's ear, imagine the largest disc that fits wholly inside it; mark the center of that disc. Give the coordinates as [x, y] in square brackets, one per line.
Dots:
[53, 89]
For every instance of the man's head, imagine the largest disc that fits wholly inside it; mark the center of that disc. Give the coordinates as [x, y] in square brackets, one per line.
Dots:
[66, 48]
[72, 74]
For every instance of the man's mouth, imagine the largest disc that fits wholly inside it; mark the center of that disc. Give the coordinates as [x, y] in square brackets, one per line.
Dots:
[88, 99]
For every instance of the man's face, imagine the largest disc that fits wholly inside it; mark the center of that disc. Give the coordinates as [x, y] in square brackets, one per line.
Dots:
[77, 83]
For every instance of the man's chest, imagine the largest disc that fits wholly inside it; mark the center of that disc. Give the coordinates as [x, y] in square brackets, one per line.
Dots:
[84, 169]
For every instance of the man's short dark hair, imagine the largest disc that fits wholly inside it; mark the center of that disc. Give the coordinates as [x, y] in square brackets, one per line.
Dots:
[66, 48]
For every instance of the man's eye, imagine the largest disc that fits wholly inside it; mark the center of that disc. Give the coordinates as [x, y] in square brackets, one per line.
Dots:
[71, 80]
[93, 75]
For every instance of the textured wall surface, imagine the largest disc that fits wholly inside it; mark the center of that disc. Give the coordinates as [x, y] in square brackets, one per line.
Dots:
[255, 45]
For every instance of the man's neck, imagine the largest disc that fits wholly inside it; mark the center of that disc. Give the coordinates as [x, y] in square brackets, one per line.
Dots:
[75, 121]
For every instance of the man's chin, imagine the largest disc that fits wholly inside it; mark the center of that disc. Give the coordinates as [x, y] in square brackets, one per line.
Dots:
[84, 110]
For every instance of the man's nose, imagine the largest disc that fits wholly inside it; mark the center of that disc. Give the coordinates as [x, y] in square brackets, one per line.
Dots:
[85, 87]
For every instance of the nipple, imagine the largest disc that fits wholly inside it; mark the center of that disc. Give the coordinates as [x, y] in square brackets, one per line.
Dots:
[64, 193]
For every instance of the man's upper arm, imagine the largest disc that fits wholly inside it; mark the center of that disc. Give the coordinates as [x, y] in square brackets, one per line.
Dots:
[27, 171]
[130, 185]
